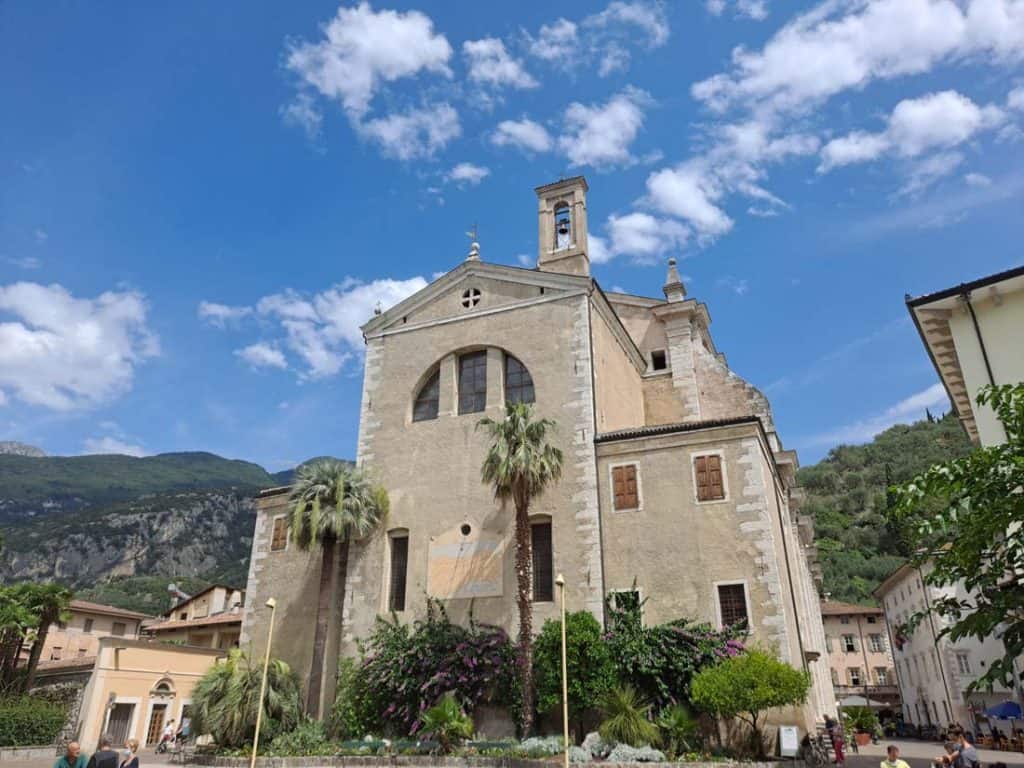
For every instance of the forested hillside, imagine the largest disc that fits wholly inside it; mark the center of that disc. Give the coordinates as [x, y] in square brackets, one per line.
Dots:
[846, 495]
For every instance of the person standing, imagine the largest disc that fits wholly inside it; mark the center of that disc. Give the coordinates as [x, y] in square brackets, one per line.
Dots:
[966, 756]
[131, 758]
[72, 757]
[892, 758]
[835, 733]
[105, 757]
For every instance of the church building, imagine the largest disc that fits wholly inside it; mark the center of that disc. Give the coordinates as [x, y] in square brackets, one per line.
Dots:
[675, 490]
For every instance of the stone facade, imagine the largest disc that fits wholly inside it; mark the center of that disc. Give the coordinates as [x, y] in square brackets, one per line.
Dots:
[629, 380]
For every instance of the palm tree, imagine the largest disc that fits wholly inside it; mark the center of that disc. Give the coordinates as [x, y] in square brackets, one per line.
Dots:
[520, 464]
[333, 503]
[50, 602]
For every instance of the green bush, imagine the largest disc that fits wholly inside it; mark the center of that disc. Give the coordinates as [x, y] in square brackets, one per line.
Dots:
[860, 719]
[353, 714]
[447, 723]
[626, 718]
[679, 730]
[308, 738]
[589, 662]
[29, 721]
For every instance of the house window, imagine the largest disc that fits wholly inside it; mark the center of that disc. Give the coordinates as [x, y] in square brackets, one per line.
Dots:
[732, 604]
[81, 653]
[853, 675]
[849, 644]
[518, 382]
[844, 619]
[55, 653]
[835, 676]
[881, 676]
[425, 407]
[118, 629]
[659, 362]
[183, 616]
[399, 570]
[88, 626]
[828, 643]
[543, 567]
[872, 619]
[473, 382]
[470, 297]
[624, 488]
[875, 643]
[709, 478]
[279, 540]
[963, 663]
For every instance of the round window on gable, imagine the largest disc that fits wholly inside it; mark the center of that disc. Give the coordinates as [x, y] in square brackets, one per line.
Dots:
[470, 297]
[466, 529]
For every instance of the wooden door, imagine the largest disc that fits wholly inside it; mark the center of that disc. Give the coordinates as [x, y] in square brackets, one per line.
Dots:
[156, 724]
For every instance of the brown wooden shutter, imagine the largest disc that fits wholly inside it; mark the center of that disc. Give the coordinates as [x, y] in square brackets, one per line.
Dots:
[399, 569]
[543, 567]
[624, 488]
[279, 539]
[709, 478]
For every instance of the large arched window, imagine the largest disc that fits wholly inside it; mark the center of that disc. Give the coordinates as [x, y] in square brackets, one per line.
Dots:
[425, 406]
[518, 382]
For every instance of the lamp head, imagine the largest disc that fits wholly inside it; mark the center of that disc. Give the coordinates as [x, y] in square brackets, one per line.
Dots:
[560, 580]
[271, 603]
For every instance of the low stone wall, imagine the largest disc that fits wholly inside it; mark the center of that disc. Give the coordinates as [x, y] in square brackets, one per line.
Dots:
[21, 755]
[426, 761]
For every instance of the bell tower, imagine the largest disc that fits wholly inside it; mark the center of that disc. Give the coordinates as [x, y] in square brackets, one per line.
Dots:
[562, 227]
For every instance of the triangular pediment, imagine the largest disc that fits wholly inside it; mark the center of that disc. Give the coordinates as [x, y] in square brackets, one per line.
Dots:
[475, 288]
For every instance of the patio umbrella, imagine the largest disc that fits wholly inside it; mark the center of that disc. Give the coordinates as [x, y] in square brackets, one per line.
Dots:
[1008, 710]
[860, 701]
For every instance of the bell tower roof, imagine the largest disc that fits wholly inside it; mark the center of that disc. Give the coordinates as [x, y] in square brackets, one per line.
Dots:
[562, 227]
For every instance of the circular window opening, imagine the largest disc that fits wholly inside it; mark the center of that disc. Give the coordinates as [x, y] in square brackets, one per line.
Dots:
[470, 297]
[466, 529]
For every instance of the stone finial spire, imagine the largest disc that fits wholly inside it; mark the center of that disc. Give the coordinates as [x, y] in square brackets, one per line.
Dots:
[474, 246]
[673, 288]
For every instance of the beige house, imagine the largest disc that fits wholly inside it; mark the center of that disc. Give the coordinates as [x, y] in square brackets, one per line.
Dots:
[210, 619]
[136, 687]
[676, 488]
[933, 672]
[859, 655]
[973, 335]
[79, 637]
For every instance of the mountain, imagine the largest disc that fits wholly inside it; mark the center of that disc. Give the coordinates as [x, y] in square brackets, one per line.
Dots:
[14, 448]
[846, 495]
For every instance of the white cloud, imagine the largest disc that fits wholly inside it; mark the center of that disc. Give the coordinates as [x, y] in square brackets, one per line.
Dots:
[41, 235]
[524, 134]
[599, 251]
[851, 44]
[734, 284]
[66, 353]
[416, 133]
[648, 17]
[689, 192]
[26, 262]
[748, 9]
[556, 42]
[303, 112]
[926, 172]
[467, 173]
[977, 180]
[715, 7]
[221, 314]
[490, 64]
[909, 409]
[322, 330]
[108, 444]
[856, 147]
[361, 49]
[526, 260]
[600, 135]
[643, 236]
[263, 355]
[1015, 99]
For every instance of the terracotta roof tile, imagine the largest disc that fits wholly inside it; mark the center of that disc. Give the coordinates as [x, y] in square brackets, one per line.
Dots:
[836, 608]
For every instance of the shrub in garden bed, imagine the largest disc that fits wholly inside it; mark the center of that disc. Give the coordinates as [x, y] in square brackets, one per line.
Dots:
[29, 721]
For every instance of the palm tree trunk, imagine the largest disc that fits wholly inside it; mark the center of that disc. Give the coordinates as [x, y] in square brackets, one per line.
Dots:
[524, 571]
[323, 611]
[45, 620]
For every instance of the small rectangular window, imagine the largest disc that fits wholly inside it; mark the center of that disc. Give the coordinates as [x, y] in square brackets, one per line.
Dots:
[844, 619]
[473, 382]
[279, 539]
[835, 676]
[55, 653]
[543, 567]
[659, 362]
[399, 572]
[88, 626]
[118, 629]
[853, 675]
[732, 603]
[875, 643]
[963, 663]
[849, 644]
[624, 488]
[710, 486]
[183, 616]
[872, 619]
[881, 676]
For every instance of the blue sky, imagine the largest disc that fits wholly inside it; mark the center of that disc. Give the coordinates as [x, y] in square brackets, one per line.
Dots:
[201, 202]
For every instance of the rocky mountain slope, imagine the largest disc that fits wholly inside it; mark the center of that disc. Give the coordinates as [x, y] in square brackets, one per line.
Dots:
[14, 448]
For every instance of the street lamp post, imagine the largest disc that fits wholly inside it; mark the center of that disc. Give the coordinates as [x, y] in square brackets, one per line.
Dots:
[272, 605]
[560, 581]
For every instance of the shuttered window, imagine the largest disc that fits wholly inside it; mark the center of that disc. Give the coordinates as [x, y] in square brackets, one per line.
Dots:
[543, 569]
[473, 382]
[709, 478]
[624, 488]
[279, 539]
[732, 602]
[399, 569]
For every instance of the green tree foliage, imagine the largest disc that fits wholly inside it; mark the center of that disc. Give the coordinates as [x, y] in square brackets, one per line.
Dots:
[847, 497]
[225, 700]
[26, 612]
[520, 464]
[147, 594]
[746, 687]
[860, 719]
[354, 713]
[680, 731]
[660, 661]
[627, 718]
[591, 669]
[447, 723]
[29, 721]
[965, 517]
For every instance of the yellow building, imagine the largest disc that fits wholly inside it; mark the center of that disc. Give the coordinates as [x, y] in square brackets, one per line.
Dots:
[136, 687]
[859, 655]
[209, 619]
[78, 638]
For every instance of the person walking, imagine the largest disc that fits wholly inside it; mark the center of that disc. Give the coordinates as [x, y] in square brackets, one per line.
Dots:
[72, 757]
[131, 758]
[105, 757]
[966, 755]
[835, 733]
[892, 758]
[166, 737]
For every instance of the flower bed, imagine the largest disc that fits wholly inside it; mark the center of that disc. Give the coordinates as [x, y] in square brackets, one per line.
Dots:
[429, 761]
